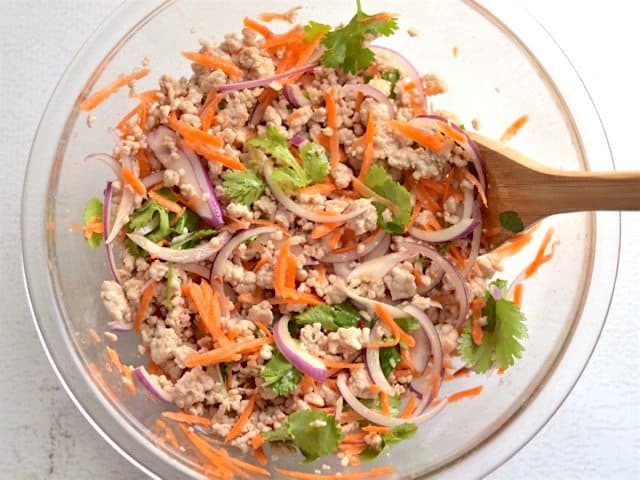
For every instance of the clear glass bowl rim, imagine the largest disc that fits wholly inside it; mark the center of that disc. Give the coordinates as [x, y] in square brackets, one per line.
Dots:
[496, 449]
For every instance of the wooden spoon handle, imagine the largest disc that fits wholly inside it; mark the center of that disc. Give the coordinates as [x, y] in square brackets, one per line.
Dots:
[588, 191]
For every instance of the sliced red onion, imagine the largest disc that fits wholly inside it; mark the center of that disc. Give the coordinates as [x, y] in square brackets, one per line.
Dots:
[381, 249]
[106, 220]
[403, 64]
[148, 382]
[342, 269]
[204, 251]
[263, 82]
[461, 229]
[294, 95]
[378, 418]
[298, 140]
[107, 159]
[456, 279]
[120, 326]
[184, 160]
[197, 269]
[371, 304]
[495, 292]
[377, 268]
[475, 243]
[153, 179]
[294, 351]
[373, 362]
[124, 207]
[217, 271]
[372, 92]
[301, 211]
[421, 351]
[148, 228]
[356, 253]
[434, 122]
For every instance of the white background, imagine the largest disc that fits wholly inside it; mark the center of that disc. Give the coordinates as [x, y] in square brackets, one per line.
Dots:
[596, 433]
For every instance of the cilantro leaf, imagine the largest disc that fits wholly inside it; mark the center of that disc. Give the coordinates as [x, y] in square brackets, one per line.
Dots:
[243, 187]
[404, 431]
[501, 335]
[345, 47]
[188, 220]
[313, 29]
[391, 76]
[378, 180]
[394, 403]
[315, 433]
[408, 324]
[389, 358]
[145, 216]
[93, 212]
[315, 161]
[330, 317]
[192, 239]
[280, 375]
[511, 221]
[135, 250]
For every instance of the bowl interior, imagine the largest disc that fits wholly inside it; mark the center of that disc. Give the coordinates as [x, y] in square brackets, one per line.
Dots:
[493, 80]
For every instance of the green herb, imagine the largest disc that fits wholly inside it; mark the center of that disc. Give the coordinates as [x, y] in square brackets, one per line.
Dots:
[188, 220]
[500, 337]
[511, 221]
[315, 161]
[391, 76]
[408, 324]
[389, 359]
[135, 250]
[191, 239]
[330, 317]
[169, 287]
[444, 247]
[345, 47]
[280, 375]
[243, 187]
[374, 403]
[315, 433]
[313, 29]
[151, 212]
[93, 212]
[378, 180]
[404, 431]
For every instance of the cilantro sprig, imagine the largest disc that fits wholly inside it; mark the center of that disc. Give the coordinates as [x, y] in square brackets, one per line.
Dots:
[330, 317]
[243, 187]
[346, 47]
[404, 431]
[378, 180]
[280, 375]
[501, 335]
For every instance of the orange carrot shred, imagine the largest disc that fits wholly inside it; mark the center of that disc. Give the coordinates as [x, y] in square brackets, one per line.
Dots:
[143, 163]
[514, 128]
[166, 203]
[257, 27]
[145, 301]
[186, 418]
[213, 62]
[432, 142]
[341, 365]
[385, 407]
[236, 430]
[324, 229]
[409, 408]
[369, 137]
[541, 257]
[518, 290]
[332, 122]
[468, 393]
[131, 179]
[224, 354]
[397, 332]
[101, 95]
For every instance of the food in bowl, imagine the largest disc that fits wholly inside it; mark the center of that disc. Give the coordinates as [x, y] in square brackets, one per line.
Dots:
[296, 237]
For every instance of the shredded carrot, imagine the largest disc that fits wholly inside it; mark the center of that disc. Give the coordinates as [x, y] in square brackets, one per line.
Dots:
[292, 269]
[468, 393]
[216, 156]
[514, 128]
[378, 17]
[369, 145]
[407, 362]
[191, 134]
[101, 95]
[348, 417]
[318, 188]
[257, 27]
[333, 242]
[186, 418]
[213, 62]
[385, 408]
[432, 142]
[154, 368]
[455, 252]
[265, 259]
[166, 203]
[209, 110]
[222, 354]
[397, 332]
[92, 226]
[145, 301]
[409, 408]
[322, 273]
[453, 133]
[208, 307]
[143, 163]
[236, 430]
[356, 437]
[293, 36]
[541, 257]
[123, 123]
[323, 229]
[476, 183]
[517, 294]
[124, 370]
[94, 335]
[476, 314]
[332, 123]
[342, 365]
[130, 178]
[376, 428]
[376, 472]
[260, 456]
[390, 343]
[414, 215]
[306, 384]
[280, 270]
[353, 246]
[257, 441]
[288, 16]
[515, 244]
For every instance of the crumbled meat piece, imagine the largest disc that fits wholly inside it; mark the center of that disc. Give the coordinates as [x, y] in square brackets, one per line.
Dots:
[342, 175]
[170, 178]
[401, 283]
[345, 342]
[368, 221]
[448, 337]
[115, 302]
[192, 388]
[157, 270]
[261, 313]
[360, 384]
[239, 211]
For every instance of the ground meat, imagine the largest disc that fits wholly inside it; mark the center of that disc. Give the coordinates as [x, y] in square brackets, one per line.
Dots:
[401, 282]
[368, 221]
[192, 388]
[115, 302]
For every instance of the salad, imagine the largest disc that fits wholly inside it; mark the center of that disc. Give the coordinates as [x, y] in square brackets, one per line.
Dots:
[294, 235]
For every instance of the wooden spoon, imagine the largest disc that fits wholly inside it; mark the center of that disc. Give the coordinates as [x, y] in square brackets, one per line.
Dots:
[534, 191]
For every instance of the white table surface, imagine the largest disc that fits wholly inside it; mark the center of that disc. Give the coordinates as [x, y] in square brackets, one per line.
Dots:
[596, 433]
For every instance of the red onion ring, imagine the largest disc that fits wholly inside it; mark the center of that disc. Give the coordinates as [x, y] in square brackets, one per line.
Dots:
[217, 270]
[378, 418]
[152, 179]
[294, 95]
[381, 249]
[263, 82]
[372, 358]
[357, 253]
[377, 268]
[106, 220]
[452, 273]
[202, 252]
[372, 92]
[107, 159]
[342, 269]
[299, 210]
[298, 140]
[295, 353]
[124, 207]
[196, 269]
[403, 64]
[371, 304]
[475, 243]
[149, 383]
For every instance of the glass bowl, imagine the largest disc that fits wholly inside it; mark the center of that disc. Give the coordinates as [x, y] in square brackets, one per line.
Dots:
[506, 66]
